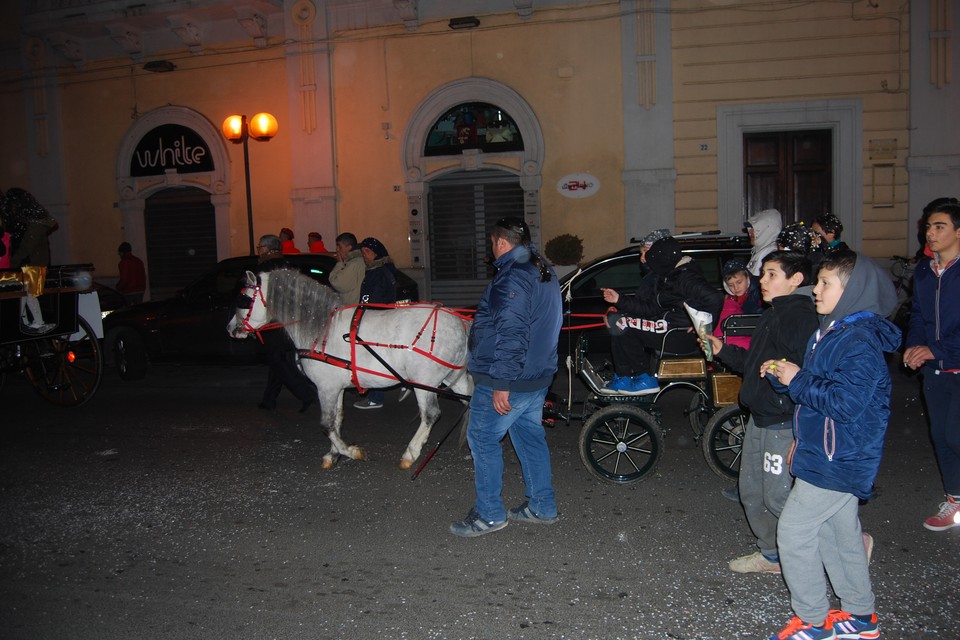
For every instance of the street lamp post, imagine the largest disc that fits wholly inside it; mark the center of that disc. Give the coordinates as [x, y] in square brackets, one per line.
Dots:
[236, 129]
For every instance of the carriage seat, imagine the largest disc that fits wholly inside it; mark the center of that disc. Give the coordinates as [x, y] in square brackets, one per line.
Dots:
[743, 324]
[680, 356]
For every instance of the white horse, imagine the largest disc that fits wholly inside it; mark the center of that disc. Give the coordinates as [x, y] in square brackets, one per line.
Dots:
[425, 345]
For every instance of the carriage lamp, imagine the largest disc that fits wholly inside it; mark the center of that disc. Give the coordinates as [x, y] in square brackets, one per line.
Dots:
[262, 127]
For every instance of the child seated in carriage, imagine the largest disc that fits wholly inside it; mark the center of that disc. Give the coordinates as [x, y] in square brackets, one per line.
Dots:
[743, 297]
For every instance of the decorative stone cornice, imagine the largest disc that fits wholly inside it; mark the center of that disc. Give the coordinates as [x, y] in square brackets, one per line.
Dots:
[188, 32]
[254, 23]
[524, 8]
[67, 46]
[409, 13]
[128, 38]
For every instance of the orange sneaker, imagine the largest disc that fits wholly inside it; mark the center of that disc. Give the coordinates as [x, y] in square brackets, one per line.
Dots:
[851, 628]
[797, 629]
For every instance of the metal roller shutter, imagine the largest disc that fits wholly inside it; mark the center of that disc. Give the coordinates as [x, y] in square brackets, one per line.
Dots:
[181, 235]
[462, 207]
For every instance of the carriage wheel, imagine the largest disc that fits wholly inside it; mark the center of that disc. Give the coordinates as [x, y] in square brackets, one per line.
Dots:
[699, 413]
[620, 444]
[722, 441]
[64, 371]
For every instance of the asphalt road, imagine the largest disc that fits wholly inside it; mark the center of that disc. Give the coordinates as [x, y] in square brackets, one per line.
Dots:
[173, 508]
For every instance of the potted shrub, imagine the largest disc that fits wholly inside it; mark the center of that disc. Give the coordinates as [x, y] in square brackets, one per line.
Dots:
[564, 252]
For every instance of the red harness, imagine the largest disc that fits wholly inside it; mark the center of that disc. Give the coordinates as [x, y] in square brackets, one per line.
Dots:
[353, 337]
[320, 354]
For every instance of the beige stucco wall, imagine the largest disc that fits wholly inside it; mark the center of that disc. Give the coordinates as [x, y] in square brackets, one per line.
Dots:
[98, 109]
[383, 79]
[744, 52]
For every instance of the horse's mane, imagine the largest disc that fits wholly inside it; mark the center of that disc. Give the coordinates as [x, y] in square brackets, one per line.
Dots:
[301, 303]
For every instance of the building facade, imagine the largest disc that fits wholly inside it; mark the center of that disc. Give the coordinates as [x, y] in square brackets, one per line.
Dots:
[402, 120]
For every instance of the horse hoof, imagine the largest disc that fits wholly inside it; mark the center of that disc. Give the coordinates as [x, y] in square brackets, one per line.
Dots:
[406, 464]
[326, 464]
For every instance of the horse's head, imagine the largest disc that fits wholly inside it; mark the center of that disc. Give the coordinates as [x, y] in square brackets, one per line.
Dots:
[251, 312]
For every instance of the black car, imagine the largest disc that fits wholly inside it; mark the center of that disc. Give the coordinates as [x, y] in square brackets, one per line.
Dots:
[192, 325]
[623, 271]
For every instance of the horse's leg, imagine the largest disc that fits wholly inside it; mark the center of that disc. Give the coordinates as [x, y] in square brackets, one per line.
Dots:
[429, 414]
[332, 417]
[463, 386]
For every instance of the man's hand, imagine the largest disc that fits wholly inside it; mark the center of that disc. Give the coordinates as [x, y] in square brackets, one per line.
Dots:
[914, 357]
[501, 402]
[610, 295]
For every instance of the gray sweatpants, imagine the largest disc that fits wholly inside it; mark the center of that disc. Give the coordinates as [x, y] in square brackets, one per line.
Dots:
[765, 481]
[820, 529]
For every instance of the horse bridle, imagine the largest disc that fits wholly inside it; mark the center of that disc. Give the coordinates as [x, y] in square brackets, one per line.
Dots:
[245, 301]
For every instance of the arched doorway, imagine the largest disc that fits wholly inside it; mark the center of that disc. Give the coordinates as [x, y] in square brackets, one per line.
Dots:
[473, 153]
[178, 155]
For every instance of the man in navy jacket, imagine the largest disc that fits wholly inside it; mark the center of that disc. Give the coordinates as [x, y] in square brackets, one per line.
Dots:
[513, 358]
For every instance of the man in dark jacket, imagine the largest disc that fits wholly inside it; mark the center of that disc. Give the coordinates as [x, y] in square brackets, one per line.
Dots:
[641, 321]
[513, 358]
[379, 286]
[782, 333]
[281, 354]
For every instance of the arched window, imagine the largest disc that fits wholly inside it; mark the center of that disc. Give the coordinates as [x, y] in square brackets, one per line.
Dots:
[473, 125]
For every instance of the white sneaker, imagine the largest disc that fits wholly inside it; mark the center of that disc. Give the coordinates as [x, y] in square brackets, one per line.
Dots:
[753, 563]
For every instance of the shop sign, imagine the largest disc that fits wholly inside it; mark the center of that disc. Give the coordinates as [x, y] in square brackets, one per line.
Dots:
[170, 146]
[578, 185]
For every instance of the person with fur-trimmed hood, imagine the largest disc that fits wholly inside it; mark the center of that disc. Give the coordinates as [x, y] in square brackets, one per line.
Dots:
[763, 229]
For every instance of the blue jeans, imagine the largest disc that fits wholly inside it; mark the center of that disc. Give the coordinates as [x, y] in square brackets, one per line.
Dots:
[484, 433]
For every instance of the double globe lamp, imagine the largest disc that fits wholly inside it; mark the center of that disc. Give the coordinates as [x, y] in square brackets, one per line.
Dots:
[237, 129]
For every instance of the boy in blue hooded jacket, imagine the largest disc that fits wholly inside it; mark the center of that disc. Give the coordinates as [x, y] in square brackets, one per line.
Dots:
[843, 404]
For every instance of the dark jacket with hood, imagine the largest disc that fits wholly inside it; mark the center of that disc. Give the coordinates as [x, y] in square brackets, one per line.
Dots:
[673, 280]
[513, 340]
[843, 389]
[783, 332]
[380, 282]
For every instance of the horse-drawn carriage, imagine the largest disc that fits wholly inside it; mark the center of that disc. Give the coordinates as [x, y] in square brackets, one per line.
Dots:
[424, 347]
[621, 440]
[44, 334]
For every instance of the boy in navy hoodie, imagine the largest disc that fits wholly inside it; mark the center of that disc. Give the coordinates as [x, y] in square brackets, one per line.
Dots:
[843, 404]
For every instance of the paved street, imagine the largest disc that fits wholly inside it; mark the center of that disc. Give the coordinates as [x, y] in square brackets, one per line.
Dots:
[173, 508]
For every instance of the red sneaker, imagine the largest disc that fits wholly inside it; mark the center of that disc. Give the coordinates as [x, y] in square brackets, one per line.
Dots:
[948, 517]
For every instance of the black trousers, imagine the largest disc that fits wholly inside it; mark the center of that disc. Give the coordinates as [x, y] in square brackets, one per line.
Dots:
[283, 370]
[635, 352]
